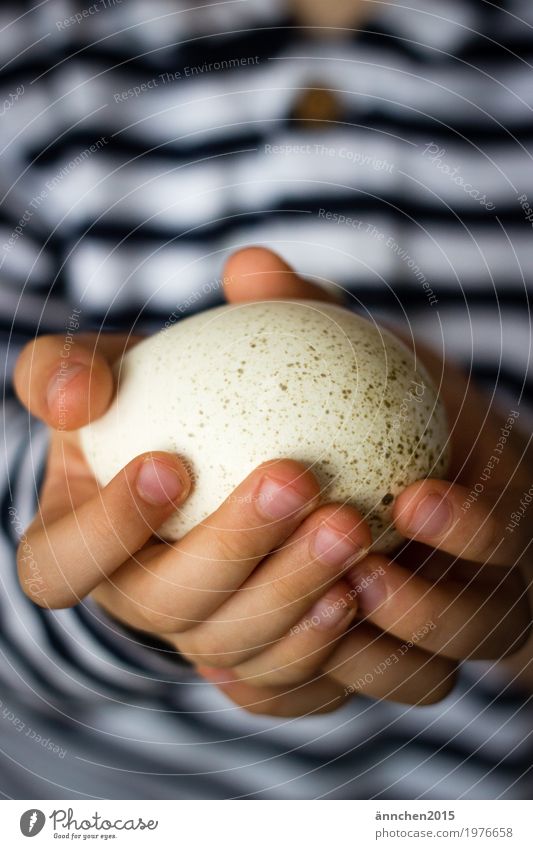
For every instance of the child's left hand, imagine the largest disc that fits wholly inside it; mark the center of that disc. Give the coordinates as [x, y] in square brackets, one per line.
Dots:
[456, 589]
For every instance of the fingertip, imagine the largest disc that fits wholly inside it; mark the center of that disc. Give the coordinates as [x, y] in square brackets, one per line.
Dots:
[187, 476]
[335, 610]
[291, 473]
[425, 509]
[405, 503]
[77, 392]
[252, 256]
[161, 479]
[348, 521]
[259, 274]
[369, 580]
[65, 390]
[255, 273]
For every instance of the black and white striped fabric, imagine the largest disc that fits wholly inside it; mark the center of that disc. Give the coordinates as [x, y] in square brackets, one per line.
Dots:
[140, 144]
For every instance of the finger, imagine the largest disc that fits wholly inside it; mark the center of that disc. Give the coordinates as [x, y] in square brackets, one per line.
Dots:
[259, 274]
[317, 697]
[69, 557]
[459, 620]
[375, 664]
[300, 655]
[68, 386]
[280, 592]
[185, 583]
[443, 515]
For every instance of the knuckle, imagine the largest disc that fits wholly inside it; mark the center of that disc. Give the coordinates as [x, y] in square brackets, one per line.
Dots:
[287, 589]
[426, 629]
[232, 546]
[99, 531]
[158, 614]
[159, 622]
[167, 624]
[161, 610]
[488, 538]
[204, 649]
[295, 674]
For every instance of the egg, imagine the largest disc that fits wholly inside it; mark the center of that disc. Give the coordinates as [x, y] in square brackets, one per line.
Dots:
[238, 385]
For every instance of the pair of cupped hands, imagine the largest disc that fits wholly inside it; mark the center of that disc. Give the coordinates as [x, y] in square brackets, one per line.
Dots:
[275, 598]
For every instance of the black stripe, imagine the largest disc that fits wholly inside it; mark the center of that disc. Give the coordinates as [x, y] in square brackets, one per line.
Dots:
[26, 668]
[377, 296]
[125, 147]
[370, 118]
[58, 641]
[8, 393]
[476, 129]
[194, 51]
[126, 651]
[502, 377]
[34, 229]
[357, 203]
[373, 296]
[23, 330]
[490, 50]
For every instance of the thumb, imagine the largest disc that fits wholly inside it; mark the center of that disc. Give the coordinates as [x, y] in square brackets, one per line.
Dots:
[259, 274]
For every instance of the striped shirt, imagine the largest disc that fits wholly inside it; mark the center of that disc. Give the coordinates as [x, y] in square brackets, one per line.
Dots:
[140, 145]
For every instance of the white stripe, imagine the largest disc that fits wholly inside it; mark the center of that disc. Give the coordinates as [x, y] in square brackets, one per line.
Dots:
[103, 276]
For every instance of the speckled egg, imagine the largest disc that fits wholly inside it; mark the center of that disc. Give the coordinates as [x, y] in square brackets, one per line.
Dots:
[234, 386]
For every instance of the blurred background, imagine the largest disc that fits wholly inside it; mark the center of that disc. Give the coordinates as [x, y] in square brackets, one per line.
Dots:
[381, 148]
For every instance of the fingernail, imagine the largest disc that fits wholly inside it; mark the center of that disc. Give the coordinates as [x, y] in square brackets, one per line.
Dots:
[60, 380]
[370, 588]
[431, 518]
[334, 548]
[330, 613]
[158, 483]
[216, 676]
[278, 500]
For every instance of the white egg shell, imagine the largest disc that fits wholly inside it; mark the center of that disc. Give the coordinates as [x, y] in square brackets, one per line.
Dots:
[235, 386]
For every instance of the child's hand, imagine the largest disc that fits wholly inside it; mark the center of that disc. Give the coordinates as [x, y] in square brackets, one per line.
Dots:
[456, 592]
[91, 540]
